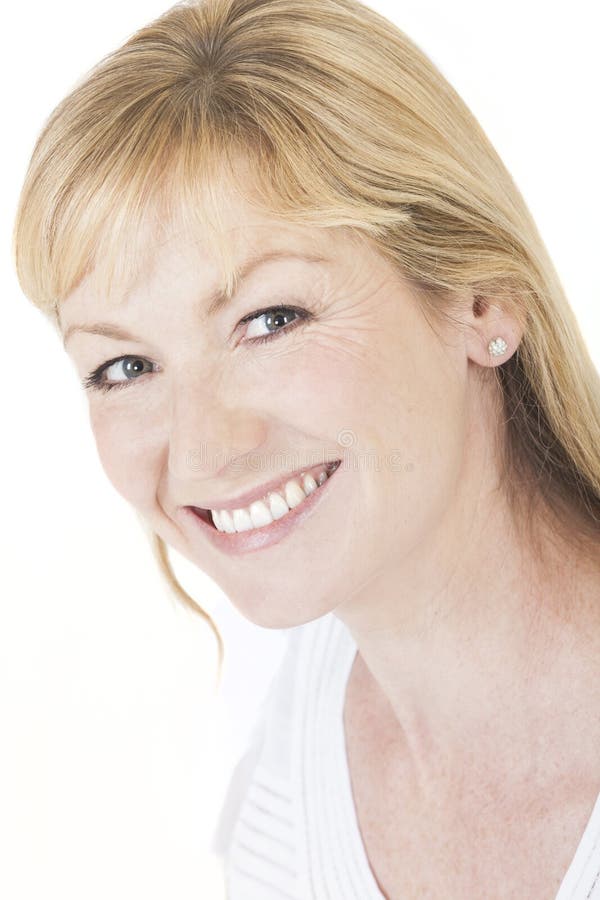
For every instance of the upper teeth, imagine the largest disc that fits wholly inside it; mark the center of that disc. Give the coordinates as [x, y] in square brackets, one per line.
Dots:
[274, 506]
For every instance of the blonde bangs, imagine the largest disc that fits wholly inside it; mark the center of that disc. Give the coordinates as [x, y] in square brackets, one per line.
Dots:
[98, 214]
[144, 139]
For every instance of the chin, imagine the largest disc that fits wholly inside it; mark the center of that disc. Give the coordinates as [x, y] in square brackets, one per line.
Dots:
[279, 611]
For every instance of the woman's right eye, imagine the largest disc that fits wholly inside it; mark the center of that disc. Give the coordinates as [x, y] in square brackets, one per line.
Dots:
[97, 380]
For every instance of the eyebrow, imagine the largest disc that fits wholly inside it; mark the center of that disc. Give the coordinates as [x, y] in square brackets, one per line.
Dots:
[216, 301]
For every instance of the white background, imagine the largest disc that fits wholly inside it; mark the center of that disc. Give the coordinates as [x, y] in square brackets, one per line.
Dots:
[115, 752]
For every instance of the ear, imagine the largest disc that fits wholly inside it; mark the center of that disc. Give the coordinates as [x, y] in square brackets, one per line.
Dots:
[492, 334]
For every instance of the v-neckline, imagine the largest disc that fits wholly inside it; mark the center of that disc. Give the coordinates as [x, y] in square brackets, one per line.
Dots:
[581, 879]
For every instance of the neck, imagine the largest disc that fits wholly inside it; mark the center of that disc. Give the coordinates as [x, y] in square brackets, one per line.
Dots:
[473, 652]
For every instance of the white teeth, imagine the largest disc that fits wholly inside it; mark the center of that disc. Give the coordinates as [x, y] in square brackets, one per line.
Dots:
[294, 494]
[242, 520]
[309, 484]
[277, 505]
[226, 521]
[263, 512]
[259, 513]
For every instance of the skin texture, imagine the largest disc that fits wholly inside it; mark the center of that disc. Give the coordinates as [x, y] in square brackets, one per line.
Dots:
[413, 548]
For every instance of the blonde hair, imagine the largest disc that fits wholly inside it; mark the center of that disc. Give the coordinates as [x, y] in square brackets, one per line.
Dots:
[345, 121]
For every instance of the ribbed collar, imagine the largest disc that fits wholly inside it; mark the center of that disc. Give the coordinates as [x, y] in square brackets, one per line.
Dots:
[334, 855]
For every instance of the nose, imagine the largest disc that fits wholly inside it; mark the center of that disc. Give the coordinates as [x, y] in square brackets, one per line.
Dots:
[210, 434]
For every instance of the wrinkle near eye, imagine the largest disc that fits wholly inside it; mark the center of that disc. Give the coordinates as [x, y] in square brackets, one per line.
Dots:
[353, 329]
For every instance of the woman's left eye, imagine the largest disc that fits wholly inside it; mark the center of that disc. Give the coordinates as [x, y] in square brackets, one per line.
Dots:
[279, 318]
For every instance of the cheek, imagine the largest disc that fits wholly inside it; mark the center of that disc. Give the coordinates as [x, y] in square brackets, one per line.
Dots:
[348, 387]
[301, 391]
[398, 408]
[427, 436]
[331, 373]
[127, 453]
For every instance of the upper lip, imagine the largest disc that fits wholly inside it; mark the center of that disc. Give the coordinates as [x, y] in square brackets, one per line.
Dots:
[258, 493]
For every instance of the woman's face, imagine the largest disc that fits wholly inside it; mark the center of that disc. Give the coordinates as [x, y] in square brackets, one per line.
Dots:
[207, 414]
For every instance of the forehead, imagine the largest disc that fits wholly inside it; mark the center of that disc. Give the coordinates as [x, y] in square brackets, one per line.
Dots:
[214, 252]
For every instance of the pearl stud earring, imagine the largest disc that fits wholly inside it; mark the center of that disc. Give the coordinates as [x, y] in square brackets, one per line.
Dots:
[497, 347]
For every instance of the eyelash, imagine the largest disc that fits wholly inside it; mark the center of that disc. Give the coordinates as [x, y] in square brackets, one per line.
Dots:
[95, 380]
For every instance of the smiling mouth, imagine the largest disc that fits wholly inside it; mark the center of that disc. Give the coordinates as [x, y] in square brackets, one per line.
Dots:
[275, 505]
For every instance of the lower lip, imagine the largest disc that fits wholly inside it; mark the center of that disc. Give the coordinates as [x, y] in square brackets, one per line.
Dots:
[258, 538]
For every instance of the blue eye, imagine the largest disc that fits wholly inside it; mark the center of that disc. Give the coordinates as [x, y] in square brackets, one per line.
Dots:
[98, 380]
[277, 317]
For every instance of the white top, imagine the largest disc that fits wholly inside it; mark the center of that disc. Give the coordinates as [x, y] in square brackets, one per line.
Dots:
[288, 829]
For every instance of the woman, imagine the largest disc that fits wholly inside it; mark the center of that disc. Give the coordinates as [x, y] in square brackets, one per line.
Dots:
[365, 409]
